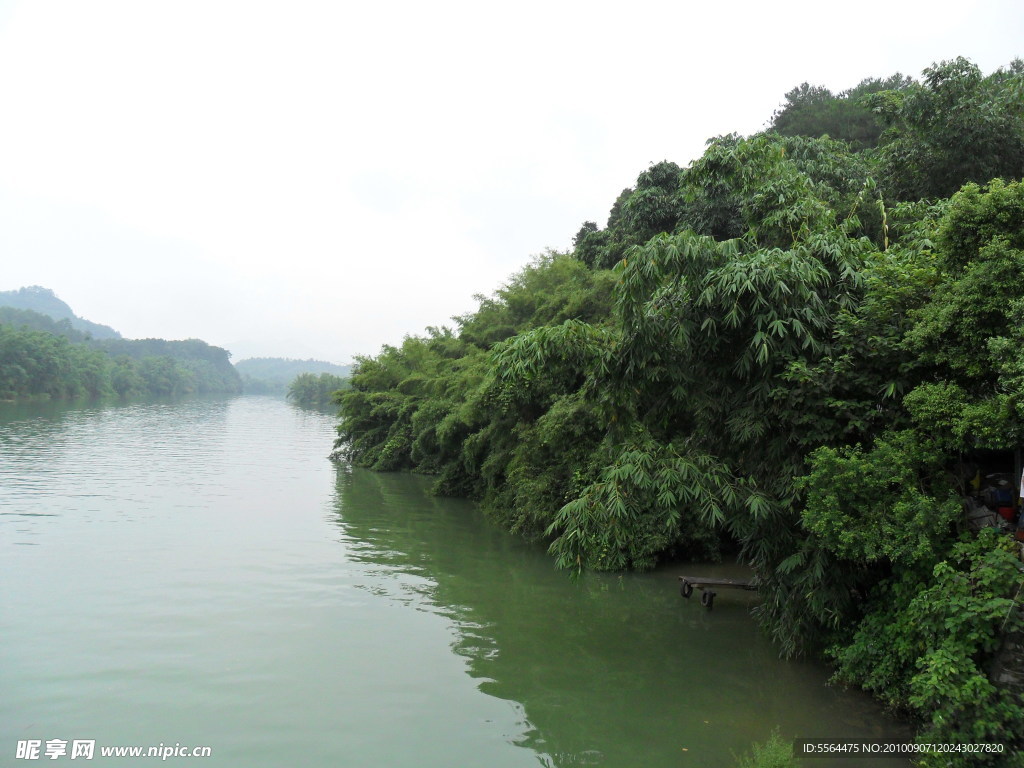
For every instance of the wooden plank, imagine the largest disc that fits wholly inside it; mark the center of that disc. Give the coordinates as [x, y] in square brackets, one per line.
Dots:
[701, 581]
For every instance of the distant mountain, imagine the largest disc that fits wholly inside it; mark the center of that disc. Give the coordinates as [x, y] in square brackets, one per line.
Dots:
[274, 374]
[45, 302]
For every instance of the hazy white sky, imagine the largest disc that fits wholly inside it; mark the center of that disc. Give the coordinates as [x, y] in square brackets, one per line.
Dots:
[305, 179]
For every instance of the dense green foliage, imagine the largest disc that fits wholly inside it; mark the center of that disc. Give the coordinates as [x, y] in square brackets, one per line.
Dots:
[42, 357]
[37, 363]
[773, 753]
[35, 321]
[813, 110]
[175, 367]
[926, 637]
[312, 391]
[779, 349]
[274, 375]
[955, 126]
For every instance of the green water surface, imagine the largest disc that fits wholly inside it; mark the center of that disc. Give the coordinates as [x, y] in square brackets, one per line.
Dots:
[198, 573]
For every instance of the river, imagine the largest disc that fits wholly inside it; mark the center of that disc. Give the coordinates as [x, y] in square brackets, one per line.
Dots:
[198, 574]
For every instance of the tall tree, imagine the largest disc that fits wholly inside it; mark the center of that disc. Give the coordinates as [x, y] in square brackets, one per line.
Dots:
[955, 127]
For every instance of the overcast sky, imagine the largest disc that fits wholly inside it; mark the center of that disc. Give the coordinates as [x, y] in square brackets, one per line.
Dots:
[316, 179]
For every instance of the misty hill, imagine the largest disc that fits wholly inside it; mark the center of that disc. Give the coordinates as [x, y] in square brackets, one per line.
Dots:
[272, 375]
[36, 321]
[45, 302]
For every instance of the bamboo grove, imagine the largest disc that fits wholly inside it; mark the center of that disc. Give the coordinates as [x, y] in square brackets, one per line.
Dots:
[788, 350]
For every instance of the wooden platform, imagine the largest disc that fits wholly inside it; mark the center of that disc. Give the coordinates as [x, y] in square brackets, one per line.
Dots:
[704, 584]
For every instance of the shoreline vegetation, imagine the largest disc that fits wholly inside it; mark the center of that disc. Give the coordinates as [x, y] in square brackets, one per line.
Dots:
[275, 375]
[46, 358]
[807, 348]
[320, 391]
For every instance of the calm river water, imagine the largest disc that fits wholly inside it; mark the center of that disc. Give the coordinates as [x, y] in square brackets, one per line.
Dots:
[199, 574]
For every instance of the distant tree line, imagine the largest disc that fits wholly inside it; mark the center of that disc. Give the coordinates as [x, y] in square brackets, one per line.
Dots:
[800, 348]
[273, 375]
[316, 391]
[43, 357]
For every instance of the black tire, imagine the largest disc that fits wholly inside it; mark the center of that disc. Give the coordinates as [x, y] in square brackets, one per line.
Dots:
[685, 589]
[707, 599]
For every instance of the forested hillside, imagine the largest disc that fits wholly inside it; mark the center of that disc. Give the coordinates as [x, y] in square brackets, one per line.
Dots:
[45, 302]
[190, 365]
[807, 347]
[43, 357]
